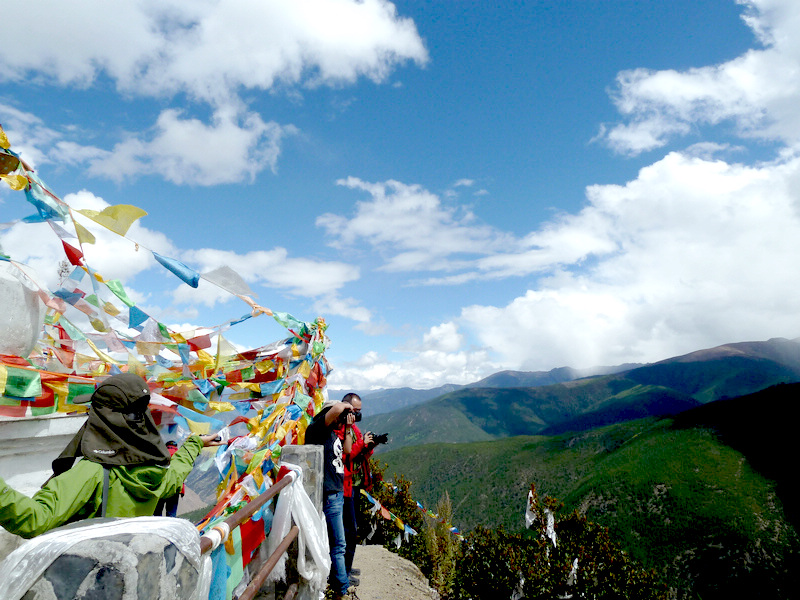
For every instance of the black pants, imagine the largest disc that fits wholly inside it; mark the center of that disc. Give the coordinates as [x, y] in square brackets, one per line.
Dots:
[350, 530]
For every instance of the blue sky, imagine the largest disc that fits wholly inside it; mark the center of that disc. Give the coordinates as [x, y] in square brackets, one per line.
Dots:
[457, 187]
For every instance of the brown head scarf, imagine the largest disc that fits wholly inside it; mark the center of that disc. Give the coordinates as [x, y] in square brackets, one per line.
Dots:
[120, 429]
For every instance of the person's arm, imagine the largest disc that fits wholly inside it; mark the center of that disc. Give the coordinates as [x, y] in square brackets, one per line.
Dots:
[183, 460]
[335, 411]
[347, 444]
[74, 492]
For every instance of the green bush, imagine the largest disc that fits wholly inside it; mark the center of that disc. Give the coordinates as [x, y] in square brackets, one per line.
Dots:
[442, 548]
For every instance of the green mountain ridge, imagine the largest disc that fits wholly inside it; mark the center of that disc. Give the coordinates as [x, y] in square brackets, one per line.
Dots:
[664, 388]
[706, 497]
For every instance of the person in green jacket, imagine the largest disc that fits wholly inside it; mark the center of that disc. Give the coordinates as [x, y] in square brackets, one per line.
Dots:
[125, 467]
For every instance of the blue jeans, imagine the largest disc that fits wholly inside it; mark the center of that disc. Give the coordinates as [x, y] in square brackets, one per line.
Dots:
[332, 508]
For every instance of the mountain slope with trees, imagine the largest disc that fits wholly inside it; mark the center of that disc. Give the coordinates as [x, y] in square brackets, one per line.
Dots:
[706, 497]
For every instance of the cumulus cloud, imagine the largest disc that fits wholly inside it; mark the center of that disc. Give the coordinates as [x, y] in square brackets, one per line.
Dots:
[415, 231]
[421, 369]
[275, 269]
[757, 92]
[693, 253]
[210, 51]
[186, 150]
[168, 47]
[411, 227]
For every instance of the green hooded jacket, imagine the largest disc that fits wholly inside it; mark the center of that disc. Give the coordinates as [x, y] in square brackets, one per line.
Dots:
[77, 493]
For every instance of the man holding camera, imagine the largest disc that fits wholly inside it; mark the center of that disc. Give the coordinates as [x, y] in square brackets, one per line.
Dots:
[361, 450]
[323, 430]
[357, 474]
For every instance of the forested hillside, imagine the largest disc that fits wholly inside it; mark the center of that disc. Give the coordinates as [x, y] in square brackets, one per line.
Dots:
[706, 494]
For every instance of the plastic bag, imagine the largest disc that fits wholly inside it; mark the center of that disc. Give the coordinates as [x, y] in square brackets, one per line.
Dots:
[23, 567]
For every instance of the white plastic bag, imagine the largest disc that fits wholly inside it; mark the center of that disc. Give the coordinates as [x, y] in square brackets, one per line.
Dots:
[26, 564]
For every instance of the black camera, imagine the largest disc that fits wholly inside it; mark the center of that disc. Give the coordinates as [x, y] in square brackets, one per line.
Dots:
[380, 439]
[347, 411]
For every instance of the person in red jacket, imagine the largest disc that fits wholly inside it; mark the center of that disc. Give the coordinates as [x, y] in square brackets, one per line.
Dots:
[361, 450]
[170, 504]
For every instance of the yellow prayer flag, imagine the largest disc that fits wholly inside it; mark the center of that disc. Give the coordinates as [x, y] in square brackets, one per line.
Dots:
[15, 181]
[4, 143]
[117, 218]
[304, 369]
[225, 350]
[110, 309]
[301, 431]
[205, 359]
[99, 325]
[199, 428]
[258, 476]
[264, 366]
[3, 379]
[148, 348]
[136, 366]
[102, 355]
[84, 235]
[220, 406]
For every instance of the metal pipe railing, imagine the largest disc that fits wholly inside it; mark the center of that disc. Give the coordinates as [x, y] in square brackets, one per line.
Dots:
[291, 592]
[245, 513]
[255, 584]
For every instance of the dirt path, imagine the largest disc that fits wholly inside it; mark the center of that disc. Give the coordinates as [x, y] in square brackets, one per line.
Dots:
[387, 576]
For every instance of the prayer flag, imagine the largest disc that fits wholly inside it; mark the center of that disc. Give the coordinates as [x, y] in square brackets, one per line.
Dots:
[186, 274]
[117, 218]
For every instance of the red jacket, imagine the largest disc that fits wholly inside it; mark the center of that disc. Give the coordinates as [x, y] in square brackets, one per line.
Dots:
[359, 454]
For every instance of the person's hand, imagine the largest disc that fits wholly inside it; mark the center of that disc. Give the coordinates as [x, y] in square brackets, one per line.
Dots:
[350, 418]
[368, 438]
[212, 439]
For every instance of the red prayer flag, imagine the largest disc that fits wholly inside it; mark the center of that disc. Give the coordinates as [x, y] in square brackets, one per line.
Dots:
[74, 255]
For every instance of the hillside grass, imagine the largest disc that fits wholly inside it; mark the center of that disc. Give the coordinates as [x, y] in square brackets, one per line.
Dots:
[675, 498]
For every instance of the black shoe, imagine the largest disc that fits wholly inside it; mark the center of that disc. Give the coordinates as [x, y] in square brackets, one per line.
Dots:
[354, 581]
[355, 571]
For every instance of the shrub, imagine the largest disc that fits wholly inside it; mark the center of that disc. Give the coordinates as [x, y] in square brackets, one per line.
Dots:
[442, 548]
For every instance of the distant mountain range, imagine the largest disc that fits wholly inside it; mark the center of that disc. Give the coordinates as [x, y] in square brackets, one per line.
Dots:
[378, 402]
[548, 403]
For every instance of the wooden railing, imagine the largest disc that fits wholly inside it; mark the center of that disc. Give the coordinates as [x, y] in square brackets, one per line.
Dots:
[241, 516]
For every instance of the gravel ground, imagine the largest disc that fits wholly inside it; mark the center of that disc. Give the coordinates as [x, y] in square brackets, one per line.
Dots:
[387, 576]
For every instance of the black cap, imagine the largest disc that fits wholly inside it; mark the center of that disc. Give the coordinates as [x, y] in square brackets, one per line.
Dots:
[117, 392]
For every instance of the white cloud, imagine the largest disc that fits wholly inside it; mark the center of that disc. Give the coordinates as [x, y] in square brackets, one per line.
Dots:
[411, 228]
[210, 50]
[691, 254]
[444, 337]
[27, 134]
[271, 268]
[167, 47]
[758, 91]
[332, 305]
[422, 369]
[186, 150]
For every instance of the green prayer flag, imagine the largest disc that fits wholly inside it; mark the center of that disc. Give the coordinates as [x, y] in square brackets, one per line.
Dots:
[116, 287]
[22, 383]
